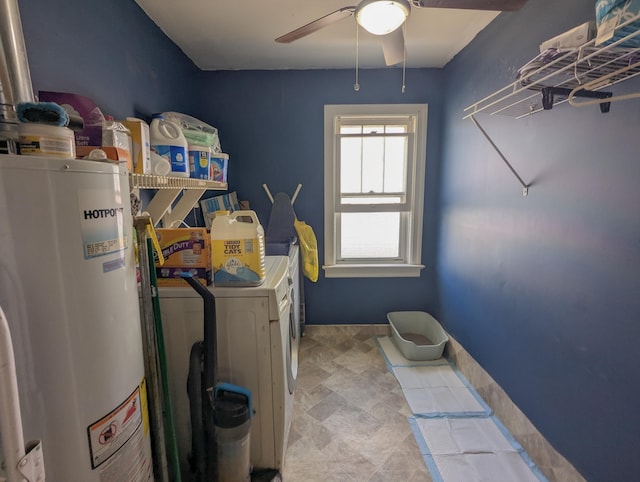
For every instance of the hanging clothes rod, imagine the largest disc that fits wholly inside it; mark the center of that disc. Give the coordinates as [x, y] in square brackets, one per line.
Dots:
[525, 186]
[603, 82]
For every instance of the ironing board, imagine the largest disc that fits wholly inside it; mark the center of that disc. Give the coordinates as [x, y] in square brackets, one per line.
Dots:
[281, 234]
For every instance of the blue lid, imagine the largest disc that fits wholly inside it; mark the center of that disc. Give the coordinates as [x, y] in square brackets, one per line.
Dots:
[157, 116]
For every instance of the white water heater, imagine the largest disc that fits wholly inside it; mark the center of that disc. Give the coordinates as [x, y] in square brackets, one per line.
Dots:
[68, 289]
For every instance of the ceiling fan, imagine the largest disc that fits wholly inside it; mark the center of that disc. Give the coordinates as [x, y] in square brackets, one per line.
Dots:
[384, 17]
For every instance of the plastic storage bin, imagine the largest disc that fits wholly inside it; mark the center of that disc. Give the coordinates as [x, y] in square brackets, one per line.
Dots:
[417, 334]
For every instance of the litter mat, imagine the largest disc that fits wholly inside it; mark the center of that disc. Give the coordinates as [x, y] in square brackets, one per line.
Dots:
[457, 433]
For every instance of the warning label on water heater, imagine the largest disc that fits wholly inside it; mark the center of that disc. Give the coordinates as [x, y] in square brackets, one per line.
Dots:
[102, 223]
[118, 446]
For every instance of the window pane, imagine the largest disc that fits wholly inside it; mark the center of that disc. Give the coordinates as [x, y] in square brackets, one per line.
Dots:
[373, 129]
[396, 129]
[350, 129]
[351, 164]
[395, 166]
[372, 164]
[370, 235]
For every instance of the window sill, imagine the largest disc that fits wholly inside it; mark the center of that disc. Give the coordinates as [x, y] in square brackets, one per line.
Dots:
[373, 270]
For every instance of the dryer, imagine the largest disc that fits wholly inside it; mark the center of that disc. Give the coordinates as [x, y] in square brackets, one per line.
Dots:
[257, 348]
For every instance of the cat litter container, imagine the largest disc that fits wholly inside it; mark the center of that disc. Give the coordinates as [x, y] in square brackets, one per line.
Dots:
[417, 334]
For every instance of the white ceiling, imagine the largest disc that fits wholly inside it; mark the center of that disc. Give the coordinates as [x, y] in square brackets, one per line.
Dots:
[239, 35]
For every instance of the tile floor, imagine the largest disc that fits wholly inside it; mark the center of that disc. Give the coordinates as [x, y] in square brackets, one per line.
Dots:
[350, 416]
[350, 424]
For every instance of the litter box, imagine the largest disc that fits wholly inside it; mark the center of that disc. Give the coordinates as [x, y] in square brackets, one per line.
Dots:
[417, 334]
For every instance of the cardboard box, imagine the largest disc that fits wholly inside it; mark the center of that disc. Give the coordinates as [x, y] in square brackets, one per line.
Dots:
[184, 250]
[571, 39]
[90, 137]
[141, 145]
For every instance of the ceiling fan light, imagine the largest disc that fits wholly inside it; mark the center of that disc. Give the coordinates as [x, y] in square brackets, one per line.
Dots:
[381, 17]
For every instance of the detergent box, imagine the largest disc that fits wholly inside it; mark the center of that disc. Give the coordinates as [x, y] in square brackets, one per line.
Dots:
[140, 144]
[185, 250]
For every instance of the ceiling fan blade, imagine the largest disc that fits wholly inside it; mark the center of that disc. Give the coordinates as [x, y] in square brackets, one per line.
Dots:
[393, 47]
[316, 25]
[497, 5]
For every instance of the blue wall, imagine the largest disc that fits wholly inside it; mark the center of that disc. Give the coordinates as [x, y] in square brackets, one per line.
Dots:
[108, 51]
[544, 290]
[271, 124]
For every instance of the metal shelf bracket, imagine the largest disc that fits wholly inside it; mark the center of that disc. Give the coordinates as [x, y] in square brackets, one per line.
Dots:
[525, 186]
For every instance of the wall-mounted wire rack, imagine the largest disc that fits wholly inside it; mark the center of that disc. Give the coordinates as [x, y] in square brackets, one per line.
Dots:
[558, 76]
[554, 77]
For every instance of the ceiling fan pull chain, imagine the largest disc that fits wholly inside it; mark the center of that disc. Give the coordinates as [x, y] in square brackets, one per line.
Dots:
[356, 86]
[404, 60]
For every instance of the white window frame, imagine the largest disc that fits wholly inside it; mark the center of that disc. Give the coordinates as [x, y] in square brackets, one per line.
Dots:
[411, 245]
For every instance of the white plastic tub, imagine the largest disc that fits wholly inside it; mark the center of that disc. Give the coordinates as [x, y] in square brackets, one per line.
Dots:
[417, 334]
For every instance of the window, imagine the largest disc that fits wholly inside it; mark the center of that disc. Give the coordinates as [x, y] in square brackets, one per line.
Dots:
[374, 157]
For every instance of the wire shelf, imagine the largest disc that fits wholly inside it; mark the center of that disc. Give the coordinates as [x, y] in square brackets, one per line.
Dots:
[150, 181]
[577, 71]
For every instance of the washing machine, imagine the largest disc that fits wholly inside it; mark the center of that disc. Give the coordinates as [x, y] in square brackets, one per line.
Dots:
[257, 337]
